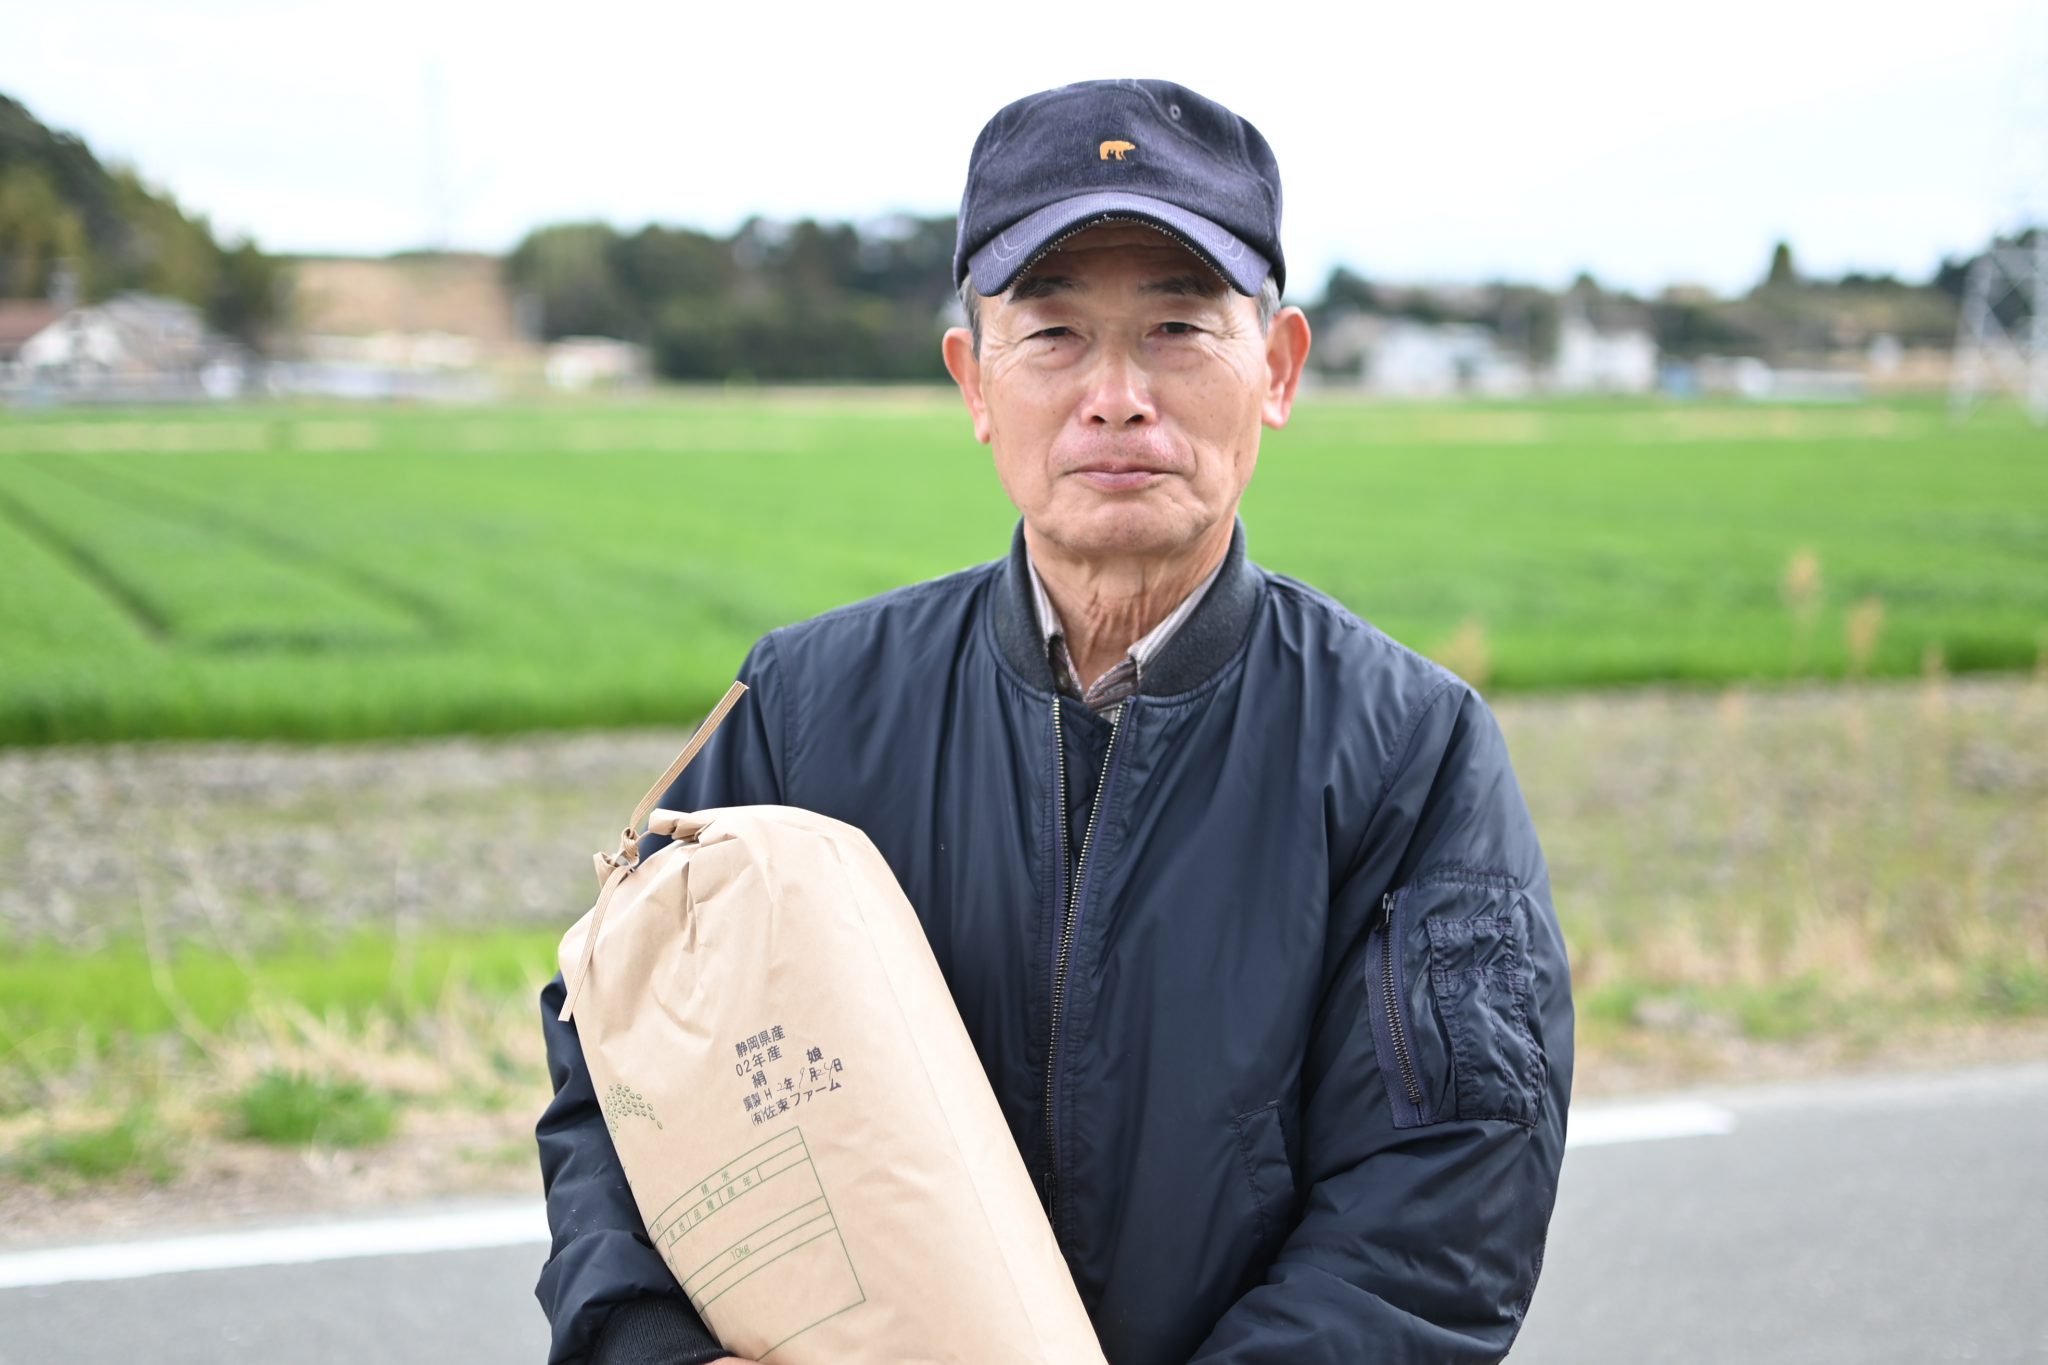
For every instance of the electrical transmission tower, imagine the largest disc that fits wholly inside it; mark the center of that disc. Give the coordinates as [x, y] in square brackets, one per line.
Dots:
[2002, 337]
[2002, 332]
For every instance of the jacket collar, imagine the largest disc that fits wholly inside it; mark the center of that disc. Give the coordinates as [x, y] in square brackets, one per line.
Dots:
[1203, 644]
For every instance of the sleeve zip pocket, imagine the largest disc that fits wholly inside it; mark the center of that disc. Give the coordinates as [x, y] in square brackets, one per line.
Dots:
[1447, 978]
[1387, 992]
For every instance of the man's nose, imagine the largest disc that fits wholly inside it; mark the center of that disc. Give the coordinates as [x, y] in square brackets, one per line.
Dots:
[1119, 394]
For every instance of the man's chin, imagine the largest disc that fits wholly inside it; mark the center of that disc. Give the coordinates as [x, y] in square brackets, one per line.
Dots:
[1125, 528]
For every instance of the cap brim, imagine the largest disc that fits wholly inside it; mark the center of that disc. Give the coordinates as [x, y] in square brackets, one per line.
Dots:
[1017, 248]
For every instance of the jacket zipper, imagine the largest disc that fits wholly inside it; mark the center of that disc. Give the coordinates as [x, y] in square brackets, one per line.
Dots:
[1390, 996]
[1068, 923]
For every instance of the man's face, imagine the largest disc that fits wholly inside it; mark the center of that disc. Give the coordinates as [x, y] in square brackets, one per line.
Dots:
[1121, 388]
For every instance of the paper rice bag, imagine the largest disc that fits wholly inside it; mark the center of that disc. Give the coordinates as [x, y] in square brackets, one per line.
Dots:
[799, 1111]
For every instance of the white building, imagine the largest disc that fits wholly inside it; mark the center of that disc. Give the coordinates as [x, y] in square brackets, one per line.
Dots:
[1737, 376]
[21, 320]
[132, 346]
[1590, 360]
[1399, 357]
[579, 364]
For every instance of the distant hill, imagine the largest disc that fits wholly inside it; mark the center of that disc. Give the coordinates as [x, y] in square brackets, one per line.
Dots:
[61, 208]
[460, 293]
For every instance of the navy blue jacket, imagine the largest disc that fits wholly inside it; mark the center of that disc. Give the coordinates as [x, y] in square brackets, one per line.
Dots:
[1289, 1059]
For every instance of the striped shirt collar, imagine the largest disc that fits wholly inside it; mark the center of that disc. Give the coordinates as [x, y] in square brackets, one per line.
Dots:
[1121, 681]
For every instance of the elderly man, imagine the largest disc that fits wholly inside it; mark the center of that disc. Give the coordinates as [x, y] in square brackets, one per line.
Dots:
[1237, 897]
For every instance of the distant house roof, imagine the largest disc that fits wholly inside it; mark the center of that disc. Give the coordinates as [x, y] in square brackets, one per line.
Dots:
[131, 333]
[21, 319]
[159, 319]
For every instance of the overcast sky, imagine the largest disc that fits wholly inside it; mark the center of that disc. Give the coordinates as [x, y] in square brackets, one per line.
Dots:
[1648, 143]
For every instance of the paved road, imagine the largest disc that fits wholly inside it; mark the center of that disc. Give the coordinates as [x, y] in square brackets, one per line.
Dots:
[1866, 1222]
[1862, 1221]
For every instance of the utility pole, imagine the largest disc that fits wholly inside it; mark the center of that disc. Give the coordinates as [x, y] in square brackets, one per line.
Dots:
[439, 201]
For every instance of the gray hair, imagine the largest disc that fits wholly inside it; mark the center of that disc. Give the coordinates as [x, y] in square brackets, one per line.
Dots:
[1268, 302]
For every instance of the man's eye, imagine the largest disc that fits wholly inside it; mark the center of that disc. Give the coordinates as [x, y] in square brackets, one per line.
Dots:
[1053, 333]
[1178, 329]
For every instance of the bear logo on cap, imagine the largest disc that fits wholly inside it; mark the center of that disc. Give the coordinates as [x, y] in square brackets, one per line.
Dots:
[1115, 148]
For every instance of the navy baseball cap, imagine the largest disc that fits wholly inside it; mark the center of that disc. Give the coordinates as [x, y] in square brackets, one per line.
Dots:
[1152, 152]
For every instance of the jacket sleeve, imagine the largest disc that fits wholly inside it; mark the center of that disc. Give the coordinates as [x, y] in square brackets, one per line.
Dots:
[609, 1297]
[1436, 1079]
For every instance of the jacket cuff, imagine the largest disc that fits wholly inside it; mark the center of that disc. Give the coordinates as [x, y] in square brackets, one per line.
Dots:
[655, 1331]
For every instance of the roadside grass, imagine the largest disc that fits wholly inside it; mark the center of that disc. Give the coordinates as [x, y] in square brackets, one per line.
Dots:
[323, 1049]
[297, 1108]
[1750, 874]
[1761, 868]
[67, 1157]
[62, 1012]
[282, 571]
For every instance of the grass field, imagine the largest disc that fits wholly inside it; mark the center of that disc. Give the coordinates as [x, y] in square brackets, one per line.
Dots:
[317, 573]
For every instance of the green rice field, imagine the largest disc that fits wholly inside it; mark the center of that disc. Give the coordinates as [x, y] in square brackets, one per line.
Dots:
[333, 573]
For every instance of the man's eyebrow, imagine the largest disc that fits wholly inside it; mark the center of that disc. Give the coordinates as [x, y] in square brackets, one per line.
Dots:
[1186, 286]
[1042, 287]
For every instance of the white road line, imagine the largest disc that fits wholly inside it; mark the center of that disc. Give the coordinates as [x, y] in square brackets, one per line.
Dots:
[525, 1223]
[1605, 1125]
[471, 1229]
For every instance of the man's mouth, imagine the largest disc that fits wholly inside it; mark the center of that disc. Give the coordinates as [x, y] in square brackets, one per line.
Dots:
[1115, 475]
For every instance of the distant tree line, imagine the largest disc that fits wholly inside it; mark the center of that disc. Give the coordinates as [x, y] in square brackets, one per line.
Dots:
[61, 209]
[815, 300]
[772, 301]
[1787, 314]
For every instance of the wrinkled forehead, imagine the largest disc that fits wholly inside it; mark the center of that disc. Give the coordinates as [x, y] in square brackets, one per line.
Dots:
[1113, 253]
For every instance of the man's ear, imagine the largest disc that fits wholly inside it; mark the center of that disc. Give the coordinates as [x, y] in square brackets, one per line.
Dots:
[1287, 343]
[965, 367]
